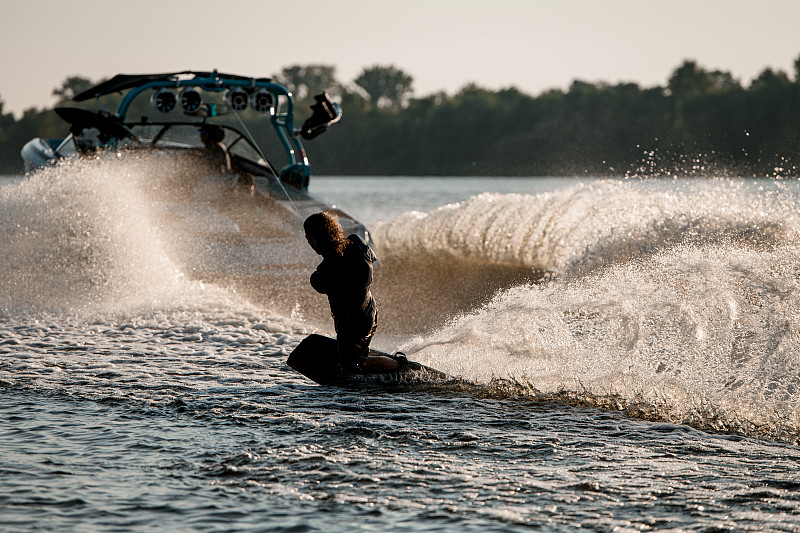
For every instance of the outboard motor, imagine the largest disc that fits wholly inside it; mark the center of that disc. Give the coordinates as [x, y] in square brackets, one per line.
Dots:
[325, 114]
[38, 153]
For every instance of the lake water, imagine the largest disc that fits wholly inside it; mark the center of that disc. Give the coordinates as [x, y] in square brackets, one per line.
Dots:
[627, 355]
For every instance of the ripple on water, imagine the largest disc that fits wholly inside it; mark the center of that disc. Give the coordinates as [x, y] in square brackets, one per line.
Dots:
[149, 429]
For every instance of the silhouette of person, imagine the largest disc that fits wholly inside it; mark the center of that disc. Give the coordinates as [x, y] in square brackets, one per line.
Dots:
[213, 137]
[345, 276]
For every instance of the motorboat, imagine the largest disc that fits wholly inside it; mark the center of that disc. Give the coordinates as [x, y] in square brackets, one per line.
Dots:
[188, 102]
[229, 173]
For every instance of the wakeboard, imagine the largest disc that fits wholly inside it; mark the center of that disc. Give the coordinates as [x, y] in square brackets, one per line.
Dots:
[316, 358]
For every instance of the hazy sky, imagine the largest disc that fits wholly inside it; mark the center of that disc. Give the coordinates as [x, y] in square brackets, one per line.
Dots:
[443, 44]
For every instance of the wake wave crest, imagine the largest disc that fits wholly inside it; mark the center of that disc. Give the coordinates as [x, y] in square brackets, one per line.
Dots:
[584, 227]
[678, 305]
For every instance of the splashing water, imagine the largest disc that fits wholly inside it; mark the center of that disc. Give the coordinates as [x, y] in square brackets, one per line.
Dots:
[82, 238]
[588, 226]
[674, 300]
[676, 304]
[168, 402]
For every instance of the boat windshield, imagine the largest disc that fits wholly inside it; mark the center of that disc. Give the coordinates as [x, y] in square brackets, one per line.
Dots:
[188, 135]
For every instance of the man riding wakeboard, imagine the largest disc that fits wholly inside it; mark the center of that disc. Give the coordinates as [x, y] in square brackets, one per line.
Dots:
[345, 276]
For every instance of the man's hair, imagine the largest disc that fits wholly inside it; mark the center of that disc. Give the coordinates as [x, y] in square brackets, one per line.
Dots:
[326, 231]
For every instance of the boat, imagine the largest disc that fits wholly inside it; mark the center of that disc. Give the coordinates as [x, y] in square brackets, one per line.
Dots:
[230, 174]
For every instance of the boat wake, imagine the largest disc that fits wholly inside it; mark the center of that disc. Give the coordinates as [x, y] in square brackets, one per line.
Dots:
[675, 301]
[152, 231]
[80, 237]
[585, 227]
[676, 304]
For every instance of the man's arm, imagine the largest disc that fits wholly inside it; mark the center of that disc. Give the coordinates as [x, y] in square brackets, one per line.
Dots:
[320, 282]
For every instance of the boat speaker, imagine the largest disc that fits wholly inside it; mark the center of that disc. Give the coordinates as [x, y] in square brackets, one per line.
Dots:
[262, 101]
[164, 100]
[191, 100]
[237, 99]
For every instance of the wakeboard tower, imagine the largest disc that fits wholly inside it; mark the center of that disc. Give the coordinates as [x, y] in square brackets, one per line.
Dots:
[316, 358]
[186, 103]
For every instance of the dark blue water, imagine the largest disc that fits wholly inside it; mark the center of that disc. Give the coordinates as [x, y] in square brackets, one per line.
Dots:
[647, 382]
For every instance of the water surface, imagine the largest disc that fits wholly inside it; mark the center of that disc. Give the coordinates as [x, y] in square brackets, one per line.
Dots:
[625, 356]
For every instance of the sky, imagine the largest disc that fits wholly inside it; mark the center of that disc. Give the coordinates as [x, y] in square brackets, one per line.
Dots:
[533, 45]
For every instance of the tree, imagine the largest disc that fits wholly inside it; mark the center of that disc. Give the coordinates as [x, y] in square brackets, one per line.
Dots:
[386, 86]
[773, 110]
[590, 129]
[689, 80]
[6, 122]
[769, 79]
[305, 81]
[797, 70]
[70, 87]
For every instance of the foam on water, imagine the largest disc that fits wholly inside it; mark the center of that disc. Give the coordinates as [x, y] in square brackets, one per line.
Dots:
[588, 226]
[676, 304]
[677, 301]
[80, 237]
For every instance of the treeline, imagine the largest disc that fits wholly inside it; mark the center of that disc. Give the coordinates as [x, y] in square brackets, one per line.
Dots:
[702, 122]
